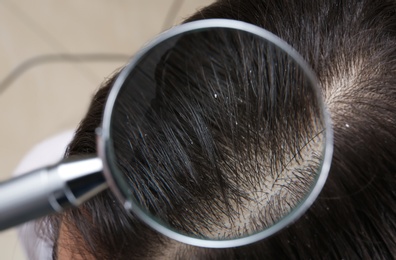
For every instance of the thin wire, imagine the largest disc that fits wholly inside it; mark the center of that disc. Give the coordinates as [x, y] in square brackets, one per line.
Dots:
[34, 26]
[172, 13]
[59, 57]
[92, 57]
[63, 56]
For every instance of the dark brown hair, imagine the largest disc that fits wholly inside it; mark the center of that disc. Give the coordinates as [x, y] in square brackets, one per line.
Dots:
[351, 47]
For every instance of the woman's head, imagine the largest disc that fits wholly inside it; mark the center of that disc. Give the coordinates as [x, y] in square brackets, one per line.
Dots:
[230, 131]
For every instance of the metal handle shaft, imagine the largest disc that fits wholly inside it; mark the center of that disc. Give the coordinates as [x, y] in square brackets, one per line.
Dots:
[49, 189]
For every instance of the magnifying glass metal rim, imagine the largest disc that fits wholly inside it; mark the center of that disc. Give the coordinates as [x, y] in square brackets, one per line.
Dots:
[107, 155]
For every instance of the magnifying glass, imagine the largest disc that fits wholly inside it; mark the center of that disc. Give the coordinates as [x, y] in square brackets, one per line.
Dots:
[215, 134]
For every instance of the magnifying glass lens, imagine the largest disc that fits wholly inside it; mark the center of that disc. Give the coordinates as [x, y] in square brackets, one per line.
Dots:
[218, 133]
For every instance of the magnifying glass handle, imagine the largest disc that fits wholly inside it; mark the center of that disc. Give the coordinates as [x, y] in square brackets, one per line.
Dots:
[50, 189]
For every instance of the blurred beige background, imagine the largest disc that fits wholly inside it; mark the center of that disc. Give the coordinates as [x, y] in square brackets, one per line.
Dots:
[40, 97]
